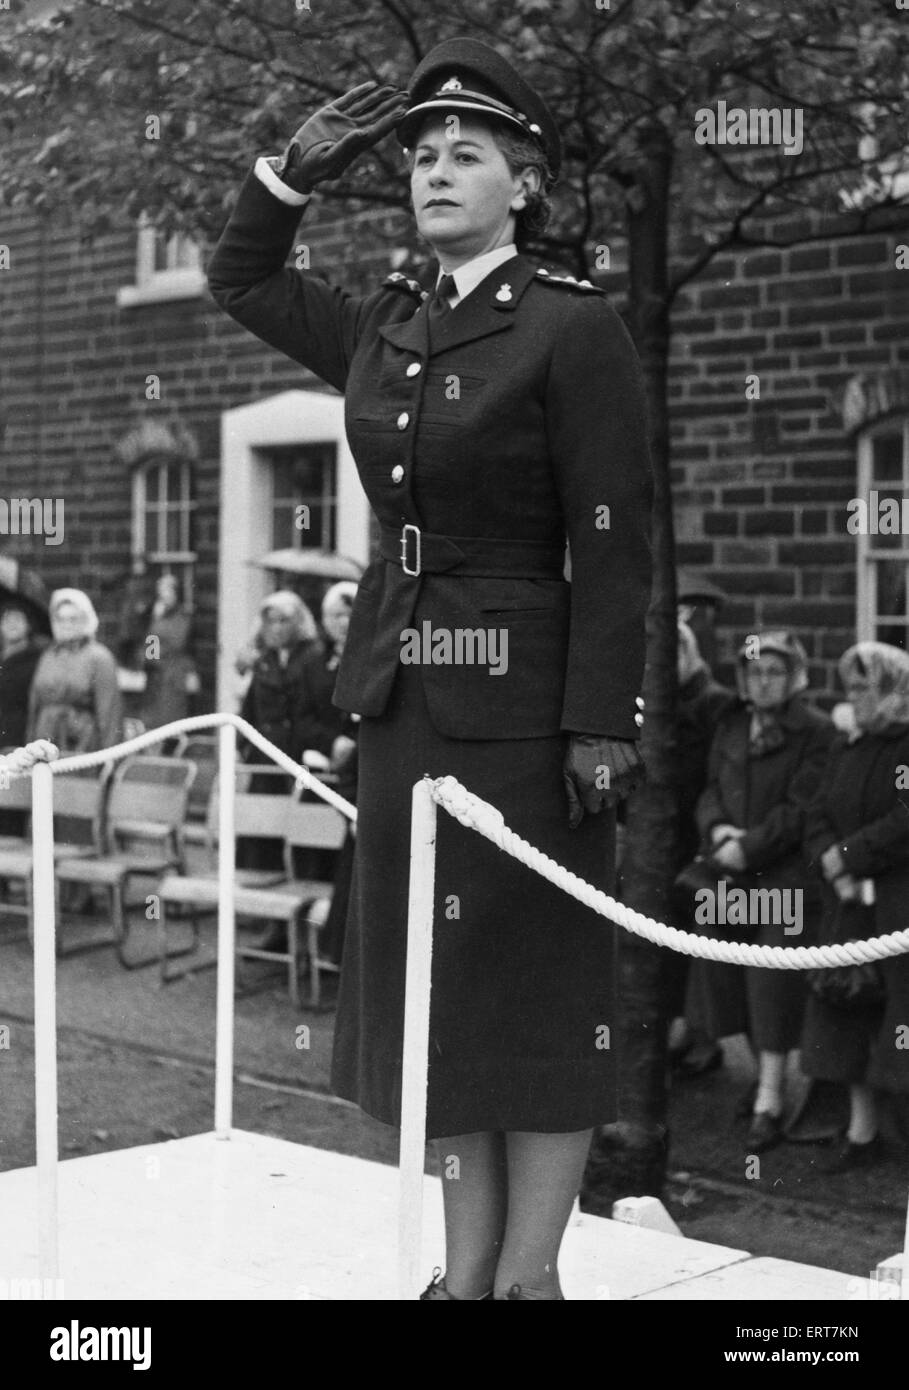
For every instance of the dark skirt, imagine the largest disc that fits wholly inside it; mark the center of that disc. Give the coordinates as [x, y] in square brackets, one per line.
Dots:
[523, 977]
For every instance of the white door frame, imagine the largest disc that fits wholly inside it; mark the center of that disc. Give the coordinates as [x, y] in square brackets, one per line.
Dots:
[293, 417]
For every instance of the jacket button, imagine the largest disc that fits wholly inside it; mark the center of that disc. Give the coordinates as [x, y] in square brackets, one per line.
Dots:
[397, 474]
[639, 719]
[403, 420]
[414, 369]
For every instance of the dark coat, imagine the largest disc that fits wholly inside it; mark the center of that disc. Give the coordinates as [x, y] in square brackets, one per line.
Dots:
[702, 702]
[522, 421]
[860, 808]
[272, 703]
[319, 720]
[768, 796]
[16, 675]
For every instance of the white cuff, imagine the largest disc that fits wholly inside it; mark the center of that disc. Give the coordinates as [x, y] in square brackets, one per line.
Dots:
[264, 171]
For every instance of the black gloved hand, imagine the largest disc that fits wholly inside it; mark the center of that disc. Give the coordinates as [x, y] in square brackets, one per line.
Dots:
[599, 772]
[330, 140]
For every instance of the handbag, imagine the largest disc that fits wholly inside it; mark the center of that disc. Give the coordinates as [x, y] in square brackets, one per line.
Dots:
[851, 989]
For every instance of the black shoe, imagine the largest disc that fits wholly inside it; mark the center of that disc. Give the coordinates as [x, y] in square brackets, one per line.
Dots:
[848, 1155]
[744, 1108]
[765, 1133]
[436, 1292]
[699, 1064]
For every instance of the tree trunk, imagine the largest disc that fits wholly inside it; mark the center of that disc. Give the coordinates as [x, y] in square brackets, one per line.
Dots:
[630, 1158]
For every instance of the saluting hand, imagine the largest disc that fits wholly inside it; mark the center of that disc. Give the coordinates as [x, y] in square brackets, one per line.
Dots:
[332, 139]
[599, 772]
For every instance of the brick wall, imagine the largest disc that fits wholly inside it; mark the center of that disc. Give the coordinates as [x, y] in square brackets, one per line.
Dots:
[73, 383]
[761, 485]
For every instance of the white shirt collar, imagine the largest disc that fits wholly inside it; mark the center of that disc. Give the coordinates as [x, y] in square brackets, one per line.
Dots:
[469, 275]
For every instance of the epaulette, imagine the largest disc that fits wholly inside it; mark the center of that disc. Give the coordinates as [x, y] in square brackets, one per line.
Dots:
[397, 281]
[569, 280]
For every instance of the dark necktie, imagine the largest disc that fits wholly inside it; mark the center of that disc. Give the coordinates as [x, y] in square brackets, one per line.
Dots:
[438, 305]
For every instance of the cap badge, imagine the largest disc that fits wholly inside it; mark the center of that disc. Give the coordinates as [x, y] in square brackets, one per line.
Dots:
[452, 85]
[503, 294]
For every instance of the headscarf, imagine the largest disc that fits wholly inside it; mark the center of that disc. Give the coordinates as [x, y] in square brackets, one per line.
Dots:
[82, 603]
[344, 589]
[766, 732]
[289, 605]
[887, 671]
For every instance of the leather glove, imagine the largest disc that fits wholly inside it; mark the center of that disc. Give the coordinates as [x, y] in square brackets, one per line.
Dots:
[599, 772]
[332, 139]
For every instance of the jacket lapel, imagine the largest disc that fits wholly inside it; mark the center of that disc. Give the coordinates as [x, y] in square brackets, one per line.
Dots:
[487, 309]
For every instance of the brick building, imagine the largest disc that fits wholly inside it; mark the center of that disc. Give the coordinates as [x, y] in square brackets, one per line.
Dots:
[181, 444]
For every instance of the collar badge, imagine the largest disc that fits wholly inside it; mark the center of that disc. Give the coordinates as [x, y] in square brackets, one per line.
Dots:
[503, 294]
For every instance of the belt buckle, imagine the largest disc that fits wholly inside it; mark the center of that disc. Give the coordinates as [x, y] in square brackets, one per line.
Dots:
[417, 536]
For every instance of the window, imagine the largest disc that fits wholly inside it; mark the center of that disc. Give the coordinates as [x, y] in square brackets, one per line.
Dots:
[163, 507]
[166, 268]
[304, 497]
[883, 539]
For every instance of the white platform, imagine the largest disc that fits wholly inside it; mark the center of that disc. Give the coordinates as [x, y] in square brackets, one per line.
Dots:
[260, 1218]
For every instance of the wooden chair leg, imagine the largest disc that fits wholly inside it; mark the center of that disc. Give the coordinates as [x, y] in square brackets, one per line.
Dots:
[315, 990]
[120, 924]
[293, 946]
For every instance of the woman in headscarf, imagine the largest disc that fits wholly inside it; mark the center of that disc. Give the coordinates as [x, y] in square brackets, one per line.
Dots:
[765, 764]
[75, 699]
[858, 830]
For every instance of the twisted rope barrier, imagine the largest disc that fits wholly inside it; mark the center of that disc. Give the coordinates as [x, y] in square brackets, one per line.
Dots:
[20, 762]
[480, 816]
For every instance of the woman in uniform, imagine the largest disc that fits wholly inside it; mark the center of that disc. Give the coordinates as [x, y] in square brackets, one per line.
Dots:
[492, 420]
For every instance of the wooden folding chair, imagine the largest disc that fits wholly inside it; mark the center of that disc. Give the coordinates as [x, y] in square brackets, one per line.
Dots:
[143, 825]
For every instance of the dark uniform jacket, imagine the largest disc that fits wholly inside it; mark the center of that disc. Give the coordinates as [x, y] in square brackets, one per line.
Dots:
[522, 421]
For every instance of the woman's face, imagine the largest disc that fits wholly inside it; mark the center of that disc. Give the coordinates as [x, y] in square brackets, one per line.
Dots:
[767, 681]
[66, 622]
[336, 620]
[863, 697]
[14, 625]
[464, 195]
[277, 628]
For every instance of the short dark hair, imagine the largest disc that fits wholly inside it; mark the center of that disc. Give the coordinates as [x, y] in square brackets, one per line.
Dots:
[520, 152]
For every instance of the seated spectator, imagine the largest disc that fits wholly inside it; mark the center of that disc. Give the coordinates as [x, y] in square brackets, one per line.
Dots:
[75, 700]
[765, 764]
[857, 836]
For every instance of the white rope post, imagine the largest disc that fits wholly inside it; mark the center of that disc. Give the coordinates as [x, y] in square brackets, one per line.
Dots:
[224, 1031]
[418, 979]
[44, 931]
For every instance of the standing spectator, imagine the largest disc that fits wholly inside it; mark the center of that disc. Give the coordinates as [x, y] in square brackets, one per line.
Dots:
[272, 704]
[285, 634]
[75, 701]
[333, 733]
[766, 761]
[171, 677]
[20, 650]
[321, 722]
[858, 829]
[702, 701]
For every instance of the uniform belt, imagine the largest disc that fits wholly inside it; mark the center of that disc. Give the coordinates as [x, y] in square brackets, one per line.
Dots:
[421, 552]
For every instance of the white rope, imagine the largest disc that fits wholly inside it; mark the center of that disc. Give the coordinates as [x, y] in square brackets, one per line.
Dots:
[478, 815]
[21, 760]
